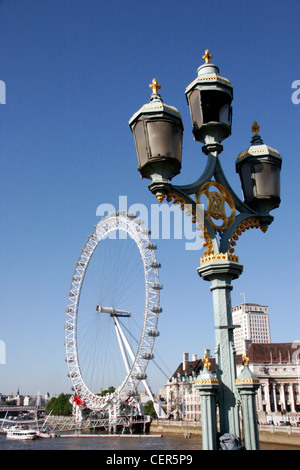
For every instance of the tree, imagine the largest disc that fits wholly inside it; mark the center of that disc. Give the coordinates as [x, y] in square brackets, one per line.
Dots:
[59, 405]
[110, 389]
[149, 409]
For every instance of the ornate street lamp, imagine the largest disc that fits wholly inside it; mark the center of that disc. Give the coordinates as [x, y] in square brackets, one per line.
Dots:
[259, 169]
[209, 98]
[226, 216]
[157, 130]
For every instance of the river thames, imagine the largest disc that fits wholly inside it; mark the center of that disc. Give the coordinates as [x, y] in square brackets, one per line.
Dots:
[116, 443]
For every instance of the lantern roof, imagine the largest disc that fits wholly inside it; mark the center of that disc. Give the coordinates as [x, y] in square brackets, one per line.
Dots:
[246, 376]
[206, 377]
[208, 74]
[257, 148]
[155, 105]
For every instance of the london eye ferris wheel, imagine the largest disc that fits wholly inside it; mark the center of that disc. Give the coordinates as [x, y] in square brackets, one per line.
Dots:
[112, 312]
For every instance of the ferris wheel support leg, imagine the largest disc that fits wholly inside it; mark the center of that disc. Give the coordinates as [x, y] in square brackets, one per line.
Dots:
[121, 344]
[124, 339]
[119, 330]
[121, 339]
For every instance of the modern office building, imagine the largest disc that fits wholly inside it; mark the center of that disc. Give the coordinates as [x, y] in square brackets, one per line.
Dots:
[253, 326]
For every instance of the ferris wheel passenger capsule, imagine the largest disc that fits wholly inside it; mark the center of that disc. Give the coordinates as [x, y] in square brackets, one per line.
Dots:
[148, 356]
[151, 246]
[153, 333]
[155, 264]
[157, 286]
[156, 309]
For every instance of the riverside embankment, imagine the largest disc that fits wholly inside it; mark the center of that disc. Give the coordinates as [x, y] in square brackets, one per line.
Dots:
[283, 435]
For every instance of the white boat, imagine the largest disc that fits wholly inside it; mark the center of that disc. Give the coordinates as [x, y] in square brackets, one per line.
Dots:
[45, 434]
[46, 431]
[21, 432]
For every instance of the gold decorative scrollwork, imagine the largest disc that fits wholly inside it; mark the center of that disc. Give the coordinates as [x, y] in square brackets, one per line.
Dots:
[216, 203]
[219, 257]
[206, 381]
[247, 381]
[242, 227]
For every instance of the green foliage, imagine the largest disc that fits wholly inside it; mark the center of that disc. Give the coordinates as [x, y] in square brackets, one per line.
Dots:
[59, 405]
[149, 409]
[11, 403]
[107, 390]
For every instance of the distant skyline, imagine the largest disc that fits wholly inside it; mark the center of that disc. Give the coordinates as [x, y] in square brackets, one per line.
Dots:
[74, 74]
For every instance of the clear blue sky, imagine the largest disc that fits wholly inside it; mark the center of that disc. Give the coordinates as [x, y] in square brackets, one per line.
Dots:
[75, 72]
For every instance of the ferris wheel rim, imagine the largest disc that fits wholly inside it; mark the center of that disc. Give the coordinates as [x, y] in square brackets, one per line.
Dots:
[132, 225]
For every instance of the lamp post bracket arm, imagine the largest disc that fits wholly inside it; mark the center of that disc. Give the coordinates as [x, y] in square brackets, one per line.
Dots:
[221, 178]
[206, 176]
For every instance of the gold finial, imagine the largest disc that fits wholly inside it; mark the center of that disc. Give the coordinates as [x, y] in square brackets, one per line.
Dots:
[207, 56]
[206, 362]
[255, 128]
[245, 360]
[160, 197]
[155, 86]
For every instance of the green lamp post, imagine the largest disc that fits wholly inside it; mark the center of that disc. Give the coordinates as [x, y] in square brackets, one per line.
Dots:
[208, 384]
[247, 384]
[157, 130]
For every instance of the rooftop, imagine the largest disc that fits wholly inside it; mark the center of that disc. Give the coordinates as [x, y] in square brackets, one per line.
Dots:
[194, 366]
[269, 352]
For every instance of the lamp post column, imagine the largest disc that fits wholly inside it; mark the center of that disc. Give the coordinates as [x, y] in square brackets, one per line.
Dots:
[158, 131]
[247, 385]
[220, 273]
[208, 384]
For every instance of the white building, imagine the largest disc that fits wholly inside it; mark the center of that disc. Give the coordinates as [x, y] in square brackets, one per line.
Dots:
[183, 400]
[277, 366]
[254, 326]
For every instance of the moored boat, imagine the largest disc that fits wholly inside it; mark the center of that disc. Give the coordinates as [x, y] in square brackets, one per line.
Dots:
[21, 432]
[45, 434]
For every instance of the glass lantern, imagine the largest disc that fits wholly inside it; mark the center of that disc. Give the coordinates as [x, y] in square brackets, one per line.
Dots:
[259, 170]
[158, 131]
[209, 98]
